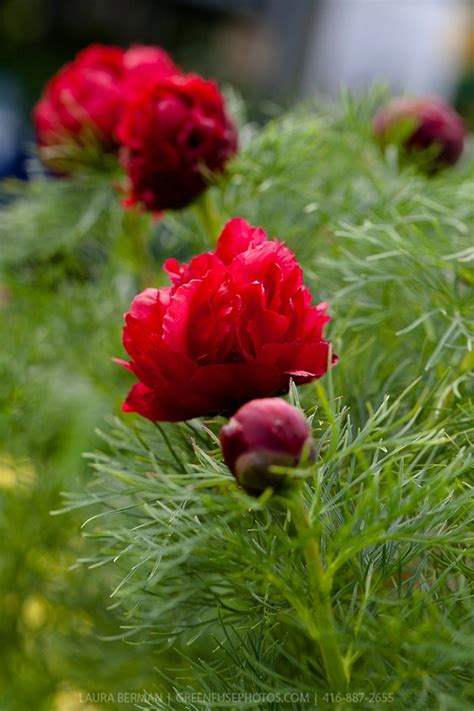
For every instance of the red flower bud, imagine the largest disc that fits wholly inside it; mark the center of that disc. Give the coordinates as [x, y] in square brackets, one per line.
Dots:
[262, 434]
[424, 124]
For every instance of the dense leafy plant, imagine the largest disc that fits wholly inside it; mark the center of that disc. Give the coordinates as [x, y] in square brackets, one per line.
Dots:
[214, 586]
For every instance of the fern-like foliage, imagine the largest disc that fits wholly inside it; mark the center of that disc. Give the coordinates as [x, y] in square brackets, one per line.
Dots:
[217, 581]
[209, 570]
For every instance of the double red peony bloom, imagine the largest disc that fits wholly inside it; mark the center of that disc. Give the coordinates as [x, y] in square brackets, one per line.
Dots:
[173, 128]
[236, 324]
[82, 104]
[175, 133]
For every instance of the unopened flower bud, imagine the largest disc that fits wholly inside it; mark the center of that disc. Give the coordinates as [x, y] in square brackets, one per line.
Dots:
[418, 125]
[263, 434]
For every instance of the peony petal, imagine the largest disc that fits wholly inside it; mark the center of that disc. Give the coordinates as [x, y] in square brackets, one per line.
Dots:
[236, 237]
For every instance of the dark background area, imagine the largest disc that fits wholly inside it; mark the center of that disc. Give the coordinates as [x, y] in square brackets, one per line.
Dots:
[244, 42]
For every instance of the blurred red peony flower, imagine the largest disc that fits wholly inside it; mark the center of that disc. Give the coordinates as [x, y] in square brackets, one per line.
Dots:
[236, 324]
[81, 105]
[144, 65]
[175, 133]
[422, 124]
[262, 434]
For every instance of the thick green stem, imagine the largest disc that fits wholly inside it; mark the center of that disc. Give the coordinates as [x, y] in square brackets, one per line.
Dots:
[208, 216]
[320, 583]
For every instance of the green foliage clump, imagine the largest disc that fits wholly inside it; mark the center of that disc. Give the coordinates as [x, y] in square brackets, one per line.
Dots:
[212, 590]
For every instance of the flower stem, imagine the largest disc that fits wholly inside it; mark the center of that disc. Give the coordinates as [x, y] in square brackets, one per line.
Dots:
[136, 227]
[208, 216]
[320, 584]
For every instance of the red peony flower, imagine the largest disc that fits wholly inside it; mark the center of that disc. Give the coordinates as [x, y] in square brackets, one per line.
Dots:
[144, 65]
[424, 124]
[175, 132]
[82, 103]
[262, 434]
[235, 325]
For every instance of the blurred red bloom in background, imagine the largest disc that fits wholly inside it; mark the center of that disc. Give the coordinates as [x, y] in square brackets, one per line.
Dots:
[175, 133]
[81, 105]
[422, 124]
